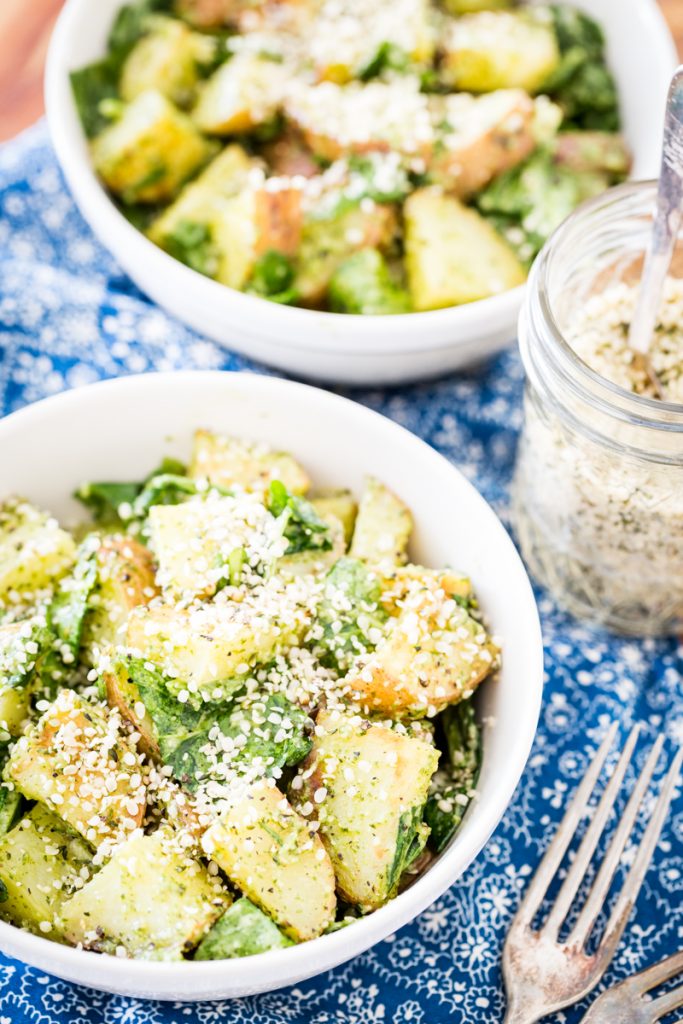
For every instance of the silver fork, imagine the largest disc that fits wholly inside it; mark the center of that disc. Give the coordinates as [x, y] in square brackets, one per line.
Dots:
[628, 1003]
[542, 974]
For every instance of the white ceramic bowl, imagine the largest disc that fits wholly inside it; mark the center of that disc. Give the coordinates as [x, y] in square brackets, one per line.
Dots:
[331, 346]
[118, 430]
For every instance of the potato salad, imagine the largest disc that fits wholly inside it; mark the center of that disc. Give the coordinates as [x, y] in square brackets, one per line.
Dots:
[234, 715]
[355, 157]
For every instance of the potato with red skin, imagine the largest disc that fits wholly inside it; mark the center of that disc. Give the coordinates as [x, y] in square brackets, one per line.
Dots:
[480, 138]
[278, 220]
[434, 654]
[125, 580]
[289, 156]
[590, 152]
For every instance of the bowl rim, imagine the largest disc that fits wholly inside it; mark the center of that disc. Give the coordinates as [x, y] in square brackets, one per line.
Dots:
[296, 963]
[352, 334]
[88, 190]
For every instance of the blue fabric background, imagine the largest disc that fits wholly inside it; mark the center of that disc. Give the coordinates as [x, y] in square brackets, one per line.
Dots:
[69, 316]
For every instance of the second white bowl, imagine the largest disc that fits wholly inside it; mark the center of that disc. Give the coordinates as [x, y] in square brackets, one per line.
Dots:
[118, 430]
[332, 346]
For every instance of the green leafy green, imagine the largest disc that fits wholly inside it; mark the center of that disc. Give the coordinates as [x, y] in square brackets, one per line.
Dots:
[303, 527]
[243, 930]
[130, 25]
[17, 668]
[273, 277]
[270, 729]
[11, 804]
[582, 84]
[163, 489]
[453, 787]
[363, 284]
[106, 500]
[92, 87]
[234, 566]
[97, 83]
[192, 244]
[527, 203]
[394, 179]
[349, 614]
[410, 842]
[574, 29]
[388, 57]
[68, 609]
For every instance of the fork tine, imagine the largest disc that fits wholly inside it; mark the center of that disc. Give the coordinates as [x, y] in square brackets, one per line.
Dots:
[627, 995]
[584, 854]
[629, 892]
[666, 1003]
[658, 973]
[559, 845]
[600, 888]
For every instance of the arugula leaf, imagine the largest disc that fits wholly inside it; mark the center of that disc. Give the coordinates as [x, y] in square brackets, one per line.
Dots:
[92, 86]
[374, 167]
[270, 729]
[98, 82]
[349, 613]
[529, 201]
[11, 802]
[451, 793]
[410, 842]
[275, 731]
[234, 564]
[304, 529]
[104, 499]
[582, 84]
[242, 931]
[67, 610]
[130, 25]
[273, 277]
[192, 244]
[388, 57]
[164, 489]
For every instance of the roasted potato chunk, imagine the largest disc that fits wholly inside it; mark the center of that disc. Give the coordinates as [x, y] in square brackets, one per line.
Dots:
[368, 786]
[453, 255]
[151, 898]
[434, 654]
[147, 154]
[278, 862]
[77, 761]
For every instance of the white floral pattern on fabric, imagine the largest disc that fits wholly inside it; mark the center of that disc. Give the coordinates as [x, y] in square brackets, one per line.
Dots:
[69, 316]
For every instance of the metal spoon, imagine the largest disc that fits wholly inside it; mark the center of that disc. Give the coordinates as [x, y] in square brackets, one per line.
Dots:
[665, 229]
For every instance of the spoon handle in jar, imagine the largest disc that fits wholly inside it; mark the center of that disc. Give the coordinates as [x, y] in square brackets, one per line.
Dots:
[667, 221]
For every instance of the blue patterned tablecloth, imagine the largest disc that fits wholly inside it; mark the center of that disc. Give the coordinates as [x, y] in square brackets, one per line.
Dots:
[69, 316]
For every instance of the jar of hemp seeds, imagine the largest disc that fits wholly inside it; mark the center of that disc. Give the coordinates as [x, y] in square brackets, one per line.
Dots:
[598, 488]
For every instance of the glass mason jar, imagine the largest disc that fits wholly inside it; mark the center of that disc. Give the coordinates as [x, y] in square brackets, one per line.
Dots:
[598, 488]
